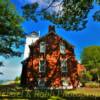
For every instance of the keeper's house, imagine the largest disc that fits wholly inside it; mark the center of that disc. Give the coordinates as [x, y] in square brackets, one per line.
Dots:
[51, 63]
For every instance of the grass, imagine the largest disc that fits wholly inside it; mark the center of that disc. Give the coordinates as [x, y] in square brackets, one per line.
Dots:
[84, 91]
[92, 84]
[15, 91]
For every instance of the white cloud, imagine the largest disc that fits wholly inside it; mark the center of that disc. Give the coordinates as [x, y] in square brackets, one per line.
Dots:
[12, 68]
[57, 6]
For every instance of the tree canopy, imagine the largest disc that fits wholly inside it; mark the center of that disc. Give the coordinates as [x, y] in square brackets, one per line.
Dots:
[10, 29]
[67, 14]
[91, 59]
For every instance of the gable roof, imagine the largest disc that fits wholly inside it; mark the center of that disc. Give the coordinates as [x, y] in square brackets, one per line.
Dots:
[51, 32]
[51, 39]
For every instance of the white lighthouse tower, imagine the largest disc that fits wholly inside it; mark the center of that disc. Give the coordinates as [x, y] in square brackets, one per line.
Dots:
[31, 38]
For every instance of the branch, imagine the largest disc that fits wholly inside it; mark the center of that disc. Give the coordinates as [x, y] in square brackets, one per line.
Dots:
[49, 5]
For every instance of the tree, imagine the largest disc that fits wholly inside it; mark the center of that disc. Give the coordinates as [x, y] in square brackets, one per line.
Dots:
[67, 14]
[17, 79]
[96, 16]
[10, 30]
[90, 57]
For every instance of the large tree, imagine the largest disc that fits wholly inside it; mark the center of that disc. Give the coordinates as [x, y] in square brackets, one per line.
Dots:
[10, 30]
[67, 14]
[91, 59]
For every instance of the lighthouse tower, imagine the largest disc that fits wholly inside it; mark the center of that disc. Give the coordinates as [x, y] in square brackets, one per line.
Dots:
[31, 38]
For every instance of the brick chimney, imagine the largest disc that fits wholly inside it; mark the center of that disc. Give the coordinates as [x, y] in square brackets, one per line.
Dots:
[51, 28]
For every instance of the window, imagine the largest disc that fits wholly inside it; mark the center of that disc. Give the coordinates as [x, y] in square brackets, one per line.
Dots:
[42, 47]
[41, 83]
[42, 65]
[62, 48]
[63, 66]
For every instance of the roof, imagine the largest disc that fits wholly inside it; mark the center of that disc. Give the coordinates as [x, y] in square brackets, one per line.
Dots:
[33, 33]
[51, 39]
[51, 31]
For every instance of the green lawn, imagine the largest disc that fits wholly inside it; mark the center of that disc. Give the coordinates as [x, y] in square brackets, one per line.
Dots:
[84, 91]
[14, 91]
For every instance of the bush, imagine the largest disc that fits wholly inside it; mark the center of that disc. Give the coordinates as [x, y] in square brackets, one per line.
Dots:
[17, 80]
[85, 77]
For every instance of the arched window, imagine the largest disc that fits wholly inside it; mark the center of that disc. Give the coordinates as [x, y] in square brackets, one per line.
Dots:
[42, 47]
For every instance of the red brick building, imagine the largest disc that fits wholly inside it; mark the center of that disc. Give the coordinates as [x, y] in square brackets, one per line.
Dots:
[51, 63]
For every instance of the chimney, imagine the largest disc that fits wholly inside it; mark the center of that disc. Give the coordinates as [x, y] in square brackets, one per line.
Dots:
[51, 28]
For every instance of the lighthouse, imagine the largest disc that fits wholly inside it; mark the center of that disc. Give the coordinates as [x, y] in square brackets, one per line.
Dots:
[30, 38]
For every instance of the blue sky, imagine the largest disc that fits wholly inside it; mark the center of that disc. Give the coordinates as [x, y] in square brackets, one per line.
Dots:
[81, 39]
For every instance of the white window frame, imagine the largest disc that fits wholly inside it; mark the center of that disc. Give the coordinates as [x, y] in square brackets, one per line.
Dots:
[64, 66]
[40, 66]
[62, 49]
[41, 85]
[42, 47]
